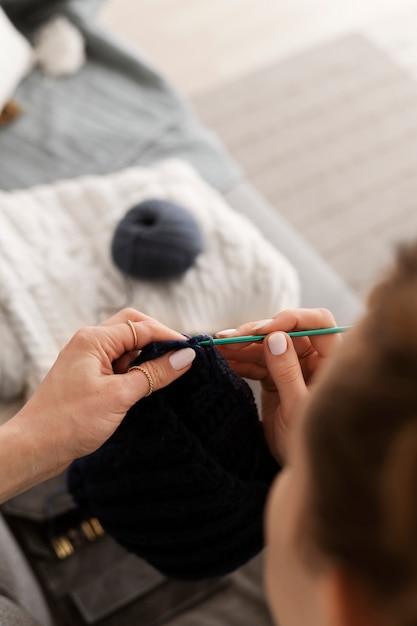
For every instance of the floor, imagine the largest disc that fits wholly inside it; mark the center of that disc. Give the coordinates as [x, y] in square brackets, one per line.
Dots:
[202, 44]
[239, 61]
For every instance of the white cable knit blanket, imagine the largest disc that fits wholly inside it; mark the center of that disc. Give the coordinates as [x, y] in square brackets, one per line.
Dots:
[57, 273]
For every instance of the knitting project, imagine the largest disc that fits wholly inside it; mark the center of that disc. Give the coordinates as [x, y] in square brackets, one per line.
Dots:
[57, 273]
[183, 481]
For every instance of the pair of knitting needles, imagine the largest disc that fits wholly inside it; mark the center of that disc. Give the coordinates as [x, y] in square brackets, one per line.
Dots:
[295, 333]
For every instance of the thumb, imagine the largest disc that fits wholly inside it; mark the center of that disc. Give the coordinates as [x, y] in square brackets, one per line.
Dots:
[158, 373]
[284, 368]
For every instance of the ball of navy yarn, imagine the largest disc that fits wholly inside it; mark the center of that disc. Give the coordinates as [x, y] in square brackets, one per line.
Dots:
[156, 239]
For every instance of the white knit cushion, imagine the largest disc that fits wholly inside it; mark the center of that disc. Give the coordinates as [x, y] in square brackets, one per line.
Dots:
[57, 273]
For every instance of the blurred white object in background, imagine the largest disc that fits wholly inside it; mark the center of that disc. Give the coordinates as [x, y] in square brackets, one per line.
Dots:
[16, 58]
[59, 47]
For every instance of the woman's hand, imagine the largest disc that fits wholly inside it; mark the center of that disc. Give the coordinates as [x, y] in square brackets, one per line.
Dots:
[284, 366]
[86, 394]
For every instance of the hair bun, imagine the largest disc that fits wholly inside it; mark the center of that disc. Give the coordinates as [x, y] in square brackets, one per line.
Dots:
[156, 239]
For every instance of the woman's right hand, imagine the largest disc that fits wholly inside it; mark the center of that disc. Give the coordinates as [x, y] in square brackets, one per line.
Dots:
[285, 367]
[84, 397]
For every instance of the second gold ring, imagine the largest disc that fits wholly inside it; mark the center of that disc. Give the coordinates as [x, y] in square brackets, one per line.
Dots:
[306, 353]
[148, 376]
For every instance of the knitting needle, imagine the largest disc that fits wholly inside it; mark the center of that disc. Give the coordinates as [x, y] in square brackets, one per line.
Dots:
[296, 333]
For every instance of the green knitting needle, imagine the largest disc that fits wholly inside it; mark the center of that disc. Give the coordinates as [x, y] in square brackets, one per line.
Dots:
[296, 333]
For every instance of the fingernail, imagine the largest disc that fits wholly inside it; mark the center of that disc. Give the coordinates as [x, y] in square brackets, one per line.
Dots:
[228, 331]
[181, 358]
[261, 324]
[277, 343]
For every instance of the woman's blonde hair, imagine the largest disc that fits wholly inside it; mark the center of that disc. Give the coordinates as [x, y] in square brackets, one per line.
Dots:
[361, 437]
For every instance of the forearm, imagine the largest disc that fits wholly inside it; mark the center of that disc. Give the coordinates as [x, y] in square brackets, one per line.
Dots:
[24, 461]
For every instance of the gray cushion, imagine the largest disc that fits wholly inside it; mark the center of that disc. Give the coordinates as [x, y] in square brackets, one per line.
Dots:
[115, 112]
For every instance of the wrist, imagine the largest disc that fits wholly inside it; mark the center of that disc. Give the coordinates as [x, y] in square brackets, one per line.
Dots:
[25, 458]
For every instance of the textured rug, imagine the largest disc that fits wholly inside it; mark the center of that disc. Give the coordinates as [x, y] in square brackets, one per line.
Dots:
[330, 139]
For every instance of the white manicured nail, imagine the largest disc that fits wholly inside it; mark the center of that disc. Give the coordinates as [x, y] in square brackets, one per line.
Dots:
[182, 358]
[277, 343]
[261, 324]
[228, 331]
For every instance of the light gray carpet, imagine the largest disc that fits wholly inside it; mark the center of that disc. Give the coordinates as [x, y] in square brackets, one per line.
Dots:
[330, 139]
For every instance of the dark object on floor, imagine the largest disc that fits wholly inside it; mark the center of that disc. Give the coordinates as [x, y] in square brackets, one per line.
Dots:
[10, 112]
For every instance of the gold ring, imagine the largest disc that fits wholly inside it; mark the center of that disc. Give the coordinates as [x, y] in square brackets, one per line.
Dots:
[135, 337]
[306, 353]
[148, 376]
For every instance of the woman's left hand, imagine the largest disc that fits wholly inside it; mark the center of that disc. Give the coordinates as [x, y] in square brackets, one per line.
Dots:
[285, 367]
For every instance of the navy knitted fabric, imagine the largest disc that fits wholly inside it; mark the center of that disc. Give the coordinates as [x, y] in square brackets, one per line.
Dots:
[156, 239]
[183, 480]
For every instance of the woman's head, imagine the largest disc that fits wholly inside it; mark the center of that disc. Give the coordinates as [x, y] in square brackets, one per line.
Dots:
[348, 501]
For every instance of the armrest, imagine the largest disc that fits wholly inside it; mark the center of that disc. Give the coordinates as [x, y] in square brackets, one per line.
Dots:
[321, 286]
